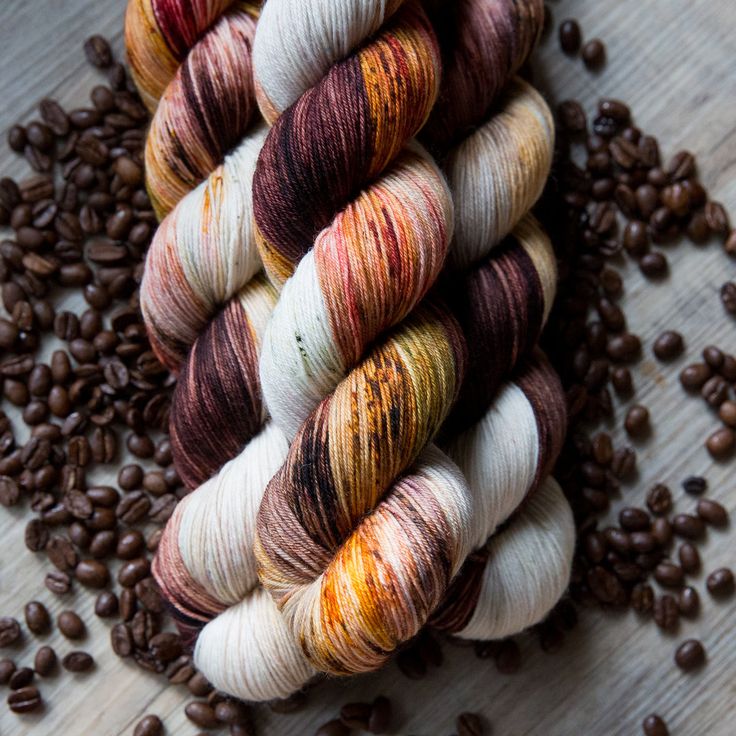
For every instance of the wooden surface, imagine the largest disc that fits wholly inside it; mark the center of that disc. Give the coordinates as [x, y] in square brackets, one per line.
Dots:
[673, 61]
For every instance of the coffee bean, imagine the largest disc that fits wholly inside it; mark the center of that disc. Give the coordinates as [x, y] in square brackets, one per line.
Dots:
[728, 296]
[594, 54]
[22, 677]
[233, 712]
[570, 37]
[720, 583]
[688, 526]
[17, 138]
[58, 582]
[720, 443]
[106, 604]
[668, 575]
[659, 499]
[624, 348]
[712, 512]
[690, 655]
[134, 571]
[202, 715]
[469, 724]
[9, 631]
[689, 558]
[36, 533]
[653, 265]
[121, 640]
[688, 601]
[9, 491]
[93, 573]
[70, 625]
[653, 725]
[45, 661]
[25, 700]
[666, 613]
[695, 485]
[37, 617]
[642, 598]
[729, 245]
[727, 413]
[380, 718]
[7, 668]
[149, 725]
[668, 345]
[77, 661]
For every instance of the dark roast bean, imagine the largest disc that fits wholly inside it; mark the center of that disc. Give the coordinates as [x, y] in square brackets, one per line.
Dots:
[70, 625]
[25, 700]
[720, 583]
[7, 668]
[202, 715]
[121, 640]
[78, 661]
[653, 725]
[688, 601]
[690, 655]
[689, 558]
[570, 37]
[93, 573]
[668, 575]
[45, 661]
[37, 617]
[666, 613]
[149, 725]
[594, 54]
[695, 485]
[668, 345]
[712, 512]
[9, 631]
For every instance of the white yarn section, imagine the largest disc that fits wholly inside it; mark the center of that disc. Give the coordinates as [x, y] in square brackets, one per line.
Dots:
[298, 41]
[393, 529]
[213, 231]
[493, 191]
[499, 457]
[248, 651]
[300, 363]
[528, 567]
[218, 521]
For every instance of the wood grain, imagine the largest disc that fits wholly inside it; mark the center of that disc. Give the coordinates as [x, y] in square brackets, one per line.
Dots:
[673, 61]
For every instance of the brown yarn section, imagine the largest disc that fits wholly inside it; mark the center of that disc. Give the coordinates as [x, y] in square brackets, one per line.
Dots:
[217, 405]
[483, 42]
[500, 306]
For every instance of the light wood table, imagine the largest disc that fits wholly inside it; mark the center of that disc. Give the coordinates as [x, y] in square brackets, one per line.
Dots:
[673, 61]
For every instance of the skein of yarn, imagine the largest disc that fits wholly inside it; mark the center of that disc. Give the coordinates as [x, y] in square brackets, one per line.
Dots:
[497, 167]
[206, 306]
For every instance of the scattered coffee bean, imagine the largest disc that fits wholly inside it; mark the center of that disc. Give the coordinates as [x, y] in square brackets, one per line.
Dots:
[689, 558]
[78, 661]
[37, 616]
[25, 700]
[9, 631]
[201, 714]
[45, 661]
[695, 485]
[668, 345]
[637, 421]
[653, 725]
[149, 725]
[22, 677]
[712, 512]
[70, 625]
[570, 36]
[690, 655]
[659, 499]
[688, 601]
[720, 443]
[720, 583]
[594, 54]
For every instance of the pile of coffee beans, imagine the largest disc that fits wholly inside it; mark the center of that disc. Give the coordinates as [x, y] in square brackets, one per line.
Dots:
[81, 223]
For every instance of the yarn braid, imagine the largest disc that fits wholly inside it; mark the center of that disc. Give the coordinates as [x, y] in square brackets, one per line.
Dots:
[503, 287]
[206, 305]
[340, 521]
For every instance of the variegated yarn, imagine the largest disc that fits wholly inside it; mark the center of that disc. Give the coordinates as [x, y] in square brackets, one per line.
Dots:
[206, 306]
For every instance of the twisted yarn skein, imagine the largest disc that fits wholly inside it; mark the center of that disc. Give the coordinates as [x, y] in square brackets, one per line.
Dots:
[497, 167]
[356, 555]
[206, 305]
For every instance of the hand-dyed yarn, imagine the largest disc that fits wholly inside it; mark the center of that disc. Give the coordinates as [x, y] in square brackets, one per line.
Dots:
[193, 68]
[206, 306]
[497, 168]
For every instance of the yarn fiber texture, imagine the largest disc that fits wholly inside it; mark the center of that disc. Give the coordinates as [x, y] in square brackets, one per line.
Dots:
[367, 530]
[206, 304]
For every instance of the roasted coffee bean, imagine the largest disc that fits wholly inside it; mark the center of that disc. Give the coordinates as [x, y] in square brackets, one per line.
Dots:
[688, 526]
[380, 718]
[37, 617]
[623, 464]
[133, 507]
[133, 571]
[149, 725]
[25, 700]
[70, 625]
[101, 546]
[22, 677]
[10, 632]
[7, 667]
[653, 265]
[233, 712]
[140, 445]
[720, 443]
[17, 138]
[690, 655]
[93, 573]
[695, 485]
[570, 37]
[121, 640]
[624, 348]
[202, 715]
[681, 166]
[469, 724]
[571, 116]
[106, 604]
[668, 575]
[694, 376]
[61, 553]
[105, 496]
[659, 499]
[712, 512]
[58, 582]
[715, 391]
[720, 583]
[727, 413]
[45, 661]
[128, 604]
[642, 598]
[180, 671]
[98, 52]
[688, 601]
[668, 345]
[634, 519]
[653, 725]
[36, 533]
[162, 508]
[728, 296]
[642, 542]
[593, 54]
[689, 558]
[77, 661]
[9, 491]
[148, 593]
[666, 613]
